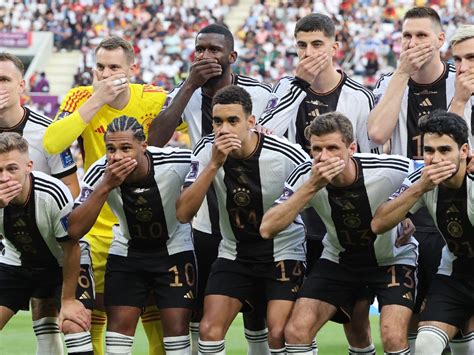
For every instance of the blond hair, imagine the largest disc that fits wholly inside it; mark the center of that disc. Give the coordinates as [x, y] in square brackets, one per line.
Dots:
[462, 34]
[11, 141]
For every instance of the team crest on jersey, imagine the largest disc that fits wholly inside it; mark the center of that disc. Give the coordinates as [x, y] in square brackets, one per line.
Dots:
[66, 158]
[65, 222]
[242, 197]
[285, 195]
[85, 192]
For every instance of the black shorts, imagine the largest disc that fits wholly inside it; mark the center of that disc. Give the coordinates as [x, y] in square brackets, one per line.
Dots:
[18, 284]
[85, 287]
[430, 245]
[450, 300]
[341, 286]
[252, 283]
[129, 280]
[206, 247]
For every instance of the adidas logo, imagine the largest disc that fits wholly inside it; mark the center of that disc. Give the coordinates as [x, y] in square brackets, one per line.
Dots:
[408, 296]
[85, 296]
[295, 289]
[426, 103]
[314, 113]
[100, 130]
[19, 223]
[189, 295]
[452, 209]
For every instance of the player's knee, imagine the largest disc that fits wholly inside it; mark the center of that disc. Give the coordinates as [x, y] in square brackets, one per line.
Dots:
[393, 338]
[276, 333]
[71, 327]
[210, 332]
[293, 334]
[430, 341]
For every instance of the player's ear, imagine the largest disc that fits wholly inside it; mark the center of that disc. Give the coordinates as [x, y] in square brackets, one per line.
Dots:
[251, 121]
[21, 89]
[352, 148]
[29, 166]
[464, 151]
[133, 68]
[232, 57]
[144, 145]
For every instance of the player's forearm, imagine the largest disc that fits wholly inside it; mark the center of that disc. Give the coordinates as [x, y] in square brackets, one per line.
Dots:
[84, 216]
[62, 133]
[192, 197]
[392, 212]
[384, 117]
[282, 215]
[457, 106]
[163, 126]
[71, 269]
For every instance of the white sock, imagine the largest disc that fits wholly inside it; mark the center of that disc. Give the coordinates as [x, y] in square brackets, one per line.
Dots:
[48, 336]
[411, 342]
[314, 347]
[405, 351]
[300, 349]
[464, 345]
[257, 341]
[180, 345]
[430, 341]
[78, 342]
[281, 351]
[194, 330]
[211, 347]
[370, 350]
[116, 343]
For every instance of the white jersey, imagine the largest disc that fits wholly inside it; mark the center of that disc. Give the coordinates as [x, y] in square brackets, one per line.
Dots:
[32, 232]
[246, 189]
[197, 119]
[32, 128]
[452, 211]
[147, 210]
[296, 108]
[347, 212]
[419, 100]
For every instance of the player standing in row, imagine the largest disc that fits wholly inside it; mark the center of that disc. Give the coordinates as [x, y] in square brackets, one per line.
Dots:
[420, 84]
[345, 189]
[84, 115]
[247, 169]
[189, 106]
[151, 251]
[40, 259]
[319, 87]
[447, 190]
[31, 125]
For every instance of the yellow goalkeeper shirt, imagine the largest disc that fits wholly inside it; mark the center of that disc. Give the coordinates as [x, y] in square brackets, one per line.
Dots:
[144, 105]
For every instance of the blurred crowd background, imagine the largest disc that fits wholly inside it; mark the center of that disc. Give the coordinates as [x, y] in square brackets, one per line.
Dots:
[163, 32]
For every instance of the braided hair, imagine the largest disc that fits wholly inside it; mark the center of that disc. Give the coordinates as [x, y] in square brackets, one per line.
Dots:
[126, 123]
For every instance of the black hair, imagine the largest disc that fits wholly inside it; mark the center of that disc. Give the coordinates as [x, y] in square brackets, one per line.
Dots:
[316, 22]
[443, 122]
[222, 30]
[234, 94]
[125, 123]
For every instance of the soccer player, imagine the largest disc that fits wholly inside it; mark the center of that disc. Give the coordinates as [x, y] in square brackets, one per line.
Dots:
[247, 169]
[39, 258]
[345, 189]
[31, 125]
[189, 106]
[462, 47]
[317, 88]
[420, 84]
[151, 250]
[446, 189]
[84, 114]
